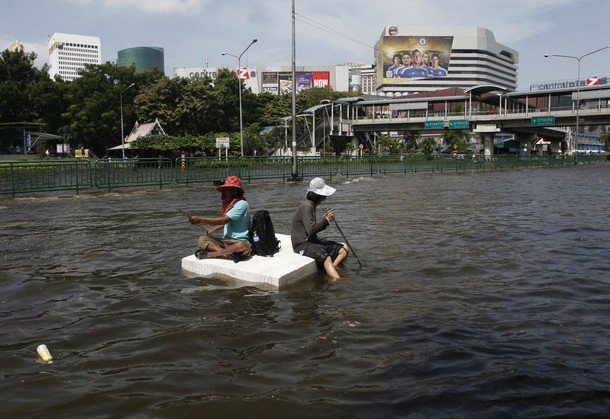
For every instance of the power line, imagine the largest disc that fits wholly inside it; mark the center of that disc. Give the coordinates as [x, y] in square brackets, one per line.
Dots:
[320, 26]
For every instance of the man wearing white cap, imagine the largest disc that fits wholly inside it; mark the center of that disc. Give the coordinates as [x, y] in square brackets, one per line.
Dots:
[305, 228]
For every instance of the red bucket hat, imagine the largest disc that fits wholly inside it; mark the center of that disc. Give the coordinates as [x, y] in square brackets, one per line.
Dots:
[231, 182]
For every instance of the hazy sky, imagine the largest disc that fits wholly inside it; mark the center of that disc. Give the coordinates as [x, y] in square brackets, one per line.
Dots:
[328, 32]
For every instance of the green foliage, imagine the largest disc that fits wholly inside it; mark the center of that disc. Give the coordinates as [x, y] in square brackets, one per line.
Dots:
[96, 109]
[459, 138]
[428, 145]
[18, 81]
[199, 145]
[387, 145]
[410, 142]
[605, 137]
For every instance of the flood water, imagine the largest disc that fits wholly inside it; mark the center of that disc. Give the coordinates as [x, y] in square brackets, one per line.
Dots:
[481, 295]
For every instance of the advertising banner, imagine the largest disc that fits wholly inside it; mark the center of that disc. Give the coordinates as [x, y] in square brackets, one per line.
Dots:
[304, 80]
[281, 82]
[270, 82]
[285, 79]
[405, 58]
[321, 79]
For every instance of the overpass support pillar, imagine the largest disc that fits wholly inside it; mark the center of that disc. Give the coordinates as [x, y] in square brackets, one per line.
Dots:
[526, 142]
[488, 143]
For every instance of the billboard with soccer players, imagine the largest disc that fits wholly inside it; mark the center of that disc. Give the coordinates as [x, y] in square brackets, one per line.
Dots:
[404, 58]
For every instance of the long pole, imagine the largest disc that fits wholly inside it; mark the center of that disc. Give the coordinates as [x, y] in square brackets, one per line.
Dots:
[347, 242]
[241, 113]
[122, 132]
[295, 171]
[574, 142]
[575, 136]
[241, 117]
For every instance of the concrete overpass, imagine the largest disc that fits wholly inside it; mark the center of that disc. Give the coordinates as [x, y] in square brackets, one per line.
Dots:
[485, 110]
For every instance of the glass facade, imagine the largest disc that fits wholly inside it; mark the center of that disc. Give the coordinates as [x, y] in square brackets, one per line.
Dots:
[144, 58]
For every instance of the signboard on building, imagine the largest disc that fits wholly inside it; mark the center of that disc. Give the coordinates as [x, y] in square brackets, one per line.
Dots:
[569, 84]
[196, 72]
[405, 58]
[281, 82]
[270, 82]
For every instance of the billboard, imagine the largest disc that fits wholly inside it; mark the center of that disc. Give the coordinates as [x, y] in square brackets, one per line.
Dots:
[404, 58]
[281, 82]
[270, 82]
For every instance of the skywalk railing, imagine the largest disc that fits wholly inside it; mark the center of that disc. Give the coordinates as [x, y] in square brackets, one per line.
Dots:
[29, 177]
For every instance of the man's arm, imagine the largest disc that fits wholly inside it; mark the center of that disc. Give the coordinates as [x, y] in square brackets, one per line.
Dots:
[218, 221]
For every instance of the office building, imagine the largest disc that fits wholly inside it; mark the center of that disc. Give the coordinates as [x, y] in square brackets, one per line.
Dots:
[144, 58]
[68, 54]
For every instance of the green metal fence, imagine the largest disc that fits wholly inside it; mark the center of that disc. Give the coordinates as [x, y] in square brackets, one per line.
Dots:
[190, 170]
[44, 176]
[27, 177]
[113, 174]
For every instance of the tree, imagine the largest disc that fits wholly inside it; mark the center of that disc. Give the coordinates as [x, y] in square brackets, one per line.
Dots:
[17, 78]
[273, 108]
[605, 138]
[94, 106]
[427, 145]
[158, 100]
[387, 145]
[458, 138]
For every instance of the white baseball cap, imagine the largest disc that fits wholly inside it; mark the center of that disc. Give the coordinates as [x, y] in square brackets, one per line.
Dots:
[319, 187]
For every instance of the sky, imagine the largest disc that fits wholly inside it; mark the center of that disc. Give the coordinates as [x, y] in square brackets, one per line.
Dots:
[194, 33]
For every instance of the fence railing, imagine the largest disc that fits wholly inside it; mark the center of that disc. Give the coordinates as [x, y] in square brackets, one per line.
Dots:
[27, 177]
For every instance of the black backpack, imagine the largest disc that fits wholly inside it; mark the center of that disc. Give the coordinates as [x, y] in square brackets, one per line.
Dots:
[262, 234]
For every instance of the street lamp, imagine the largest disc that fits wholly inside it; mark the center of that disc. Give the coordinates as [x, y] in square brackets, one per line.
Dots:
[122, 134]
[575, 137]
[241, 121]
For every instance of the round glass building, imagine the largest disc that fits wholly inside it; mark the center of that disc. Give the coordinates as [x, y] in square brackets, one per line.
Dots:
[145, 58]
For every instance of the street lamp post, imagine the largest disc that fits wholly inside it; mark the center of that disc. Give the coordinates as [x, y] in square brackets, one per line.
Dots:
[122, 134]
[574, 144]
[241, 120]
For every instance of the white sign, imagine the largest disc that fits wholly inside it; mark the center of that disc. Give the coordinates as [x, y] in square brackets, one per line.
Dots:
[486, 128]
[222, 142]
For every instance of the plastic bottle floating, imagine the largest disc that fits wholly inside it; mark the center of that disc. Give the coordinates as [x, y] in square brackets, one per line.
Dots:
[44, 354]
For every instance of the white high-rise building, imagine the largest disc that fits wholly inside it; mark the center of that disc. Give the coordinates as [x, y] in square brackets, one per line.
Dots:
[68, 54]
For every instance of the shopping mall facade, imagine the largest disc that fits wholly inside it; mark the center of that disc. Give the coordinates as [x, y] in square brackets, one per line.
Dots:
[466, 57]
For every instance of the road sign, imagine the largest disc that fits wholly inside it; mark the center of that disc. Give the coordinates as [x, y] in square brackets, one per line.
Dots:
[435, 124]
[543, 121]
[459, 124]
[222, 142]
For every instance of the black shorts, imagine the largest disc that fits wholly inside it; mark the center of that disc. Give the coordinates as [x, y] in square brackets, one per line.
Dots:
[320, 250]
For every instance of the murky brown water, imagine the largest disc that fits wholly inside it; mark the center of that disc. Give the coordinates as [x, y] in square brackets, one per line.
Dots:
[481, 295]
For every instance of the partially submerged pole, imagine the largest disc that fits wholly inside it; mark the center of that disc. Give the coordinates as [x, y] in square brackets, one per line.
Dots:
[295, 171]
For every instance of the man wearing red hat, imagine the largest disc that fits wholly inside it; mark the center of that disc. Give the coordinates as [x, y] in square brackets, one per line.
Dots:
[235, 223]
